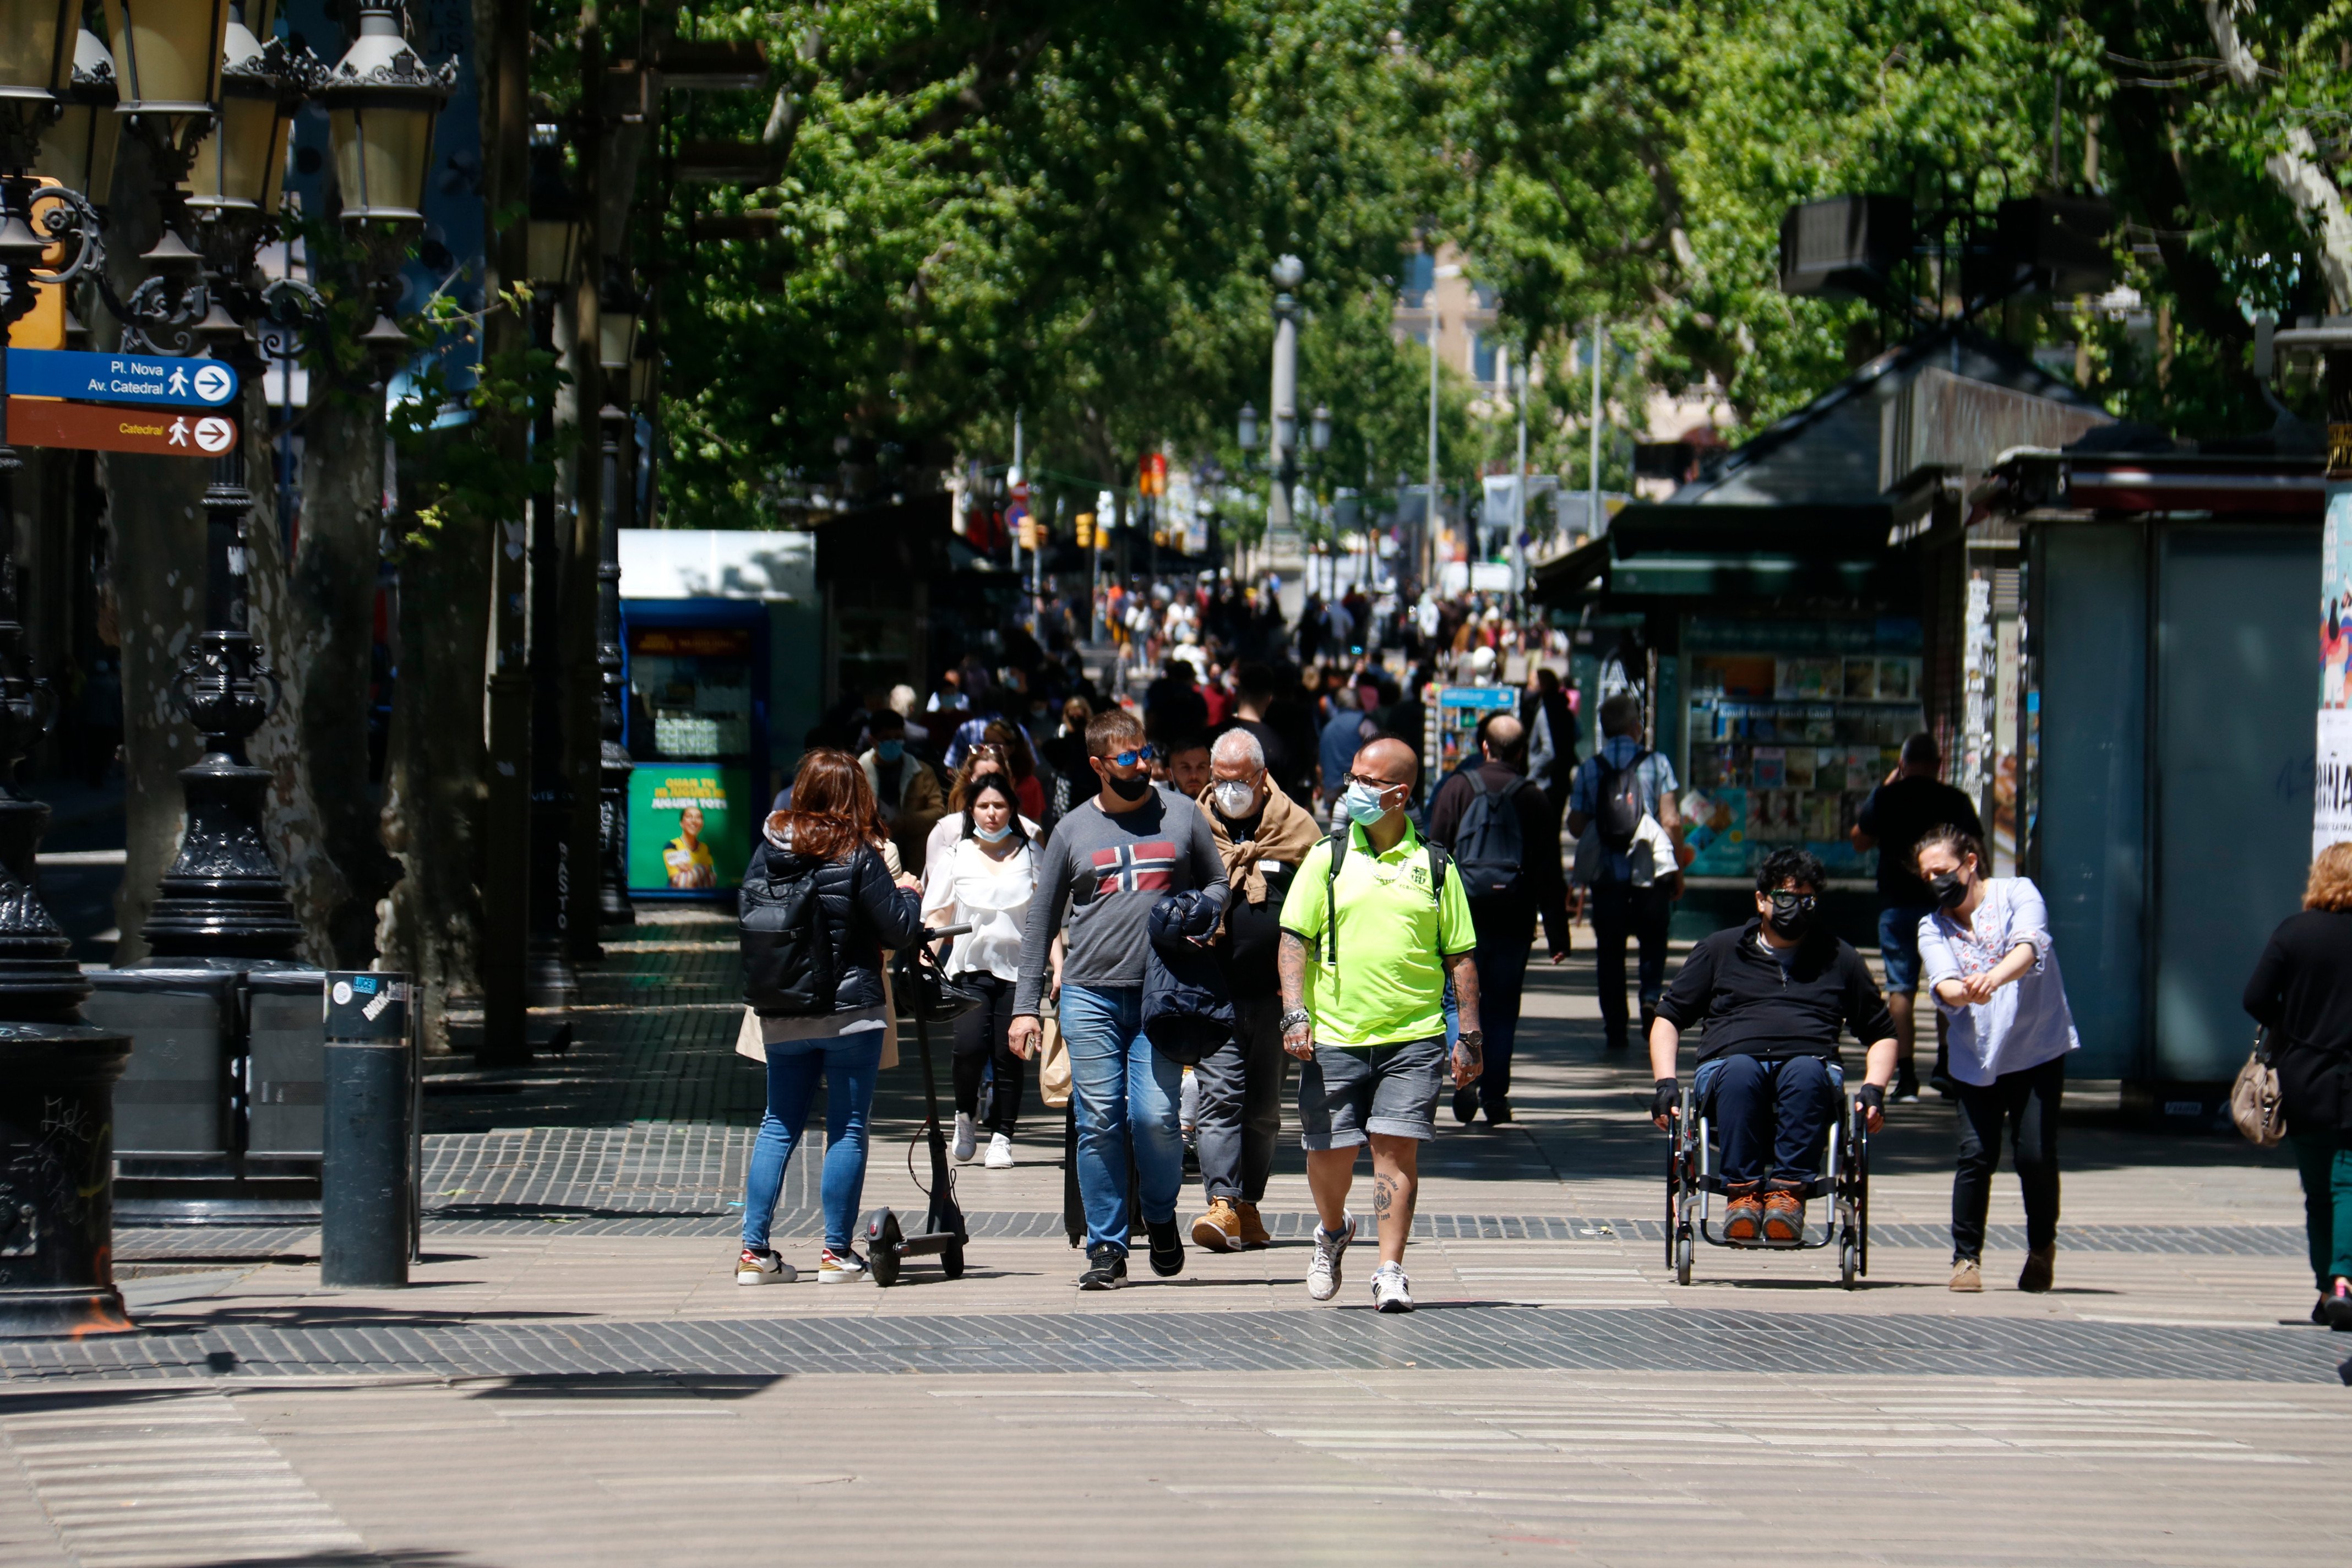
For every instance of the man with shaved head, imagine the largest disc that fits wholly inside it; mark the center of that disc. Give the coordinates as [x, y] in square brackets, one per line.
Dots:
[1375, 924]
[1500, 829]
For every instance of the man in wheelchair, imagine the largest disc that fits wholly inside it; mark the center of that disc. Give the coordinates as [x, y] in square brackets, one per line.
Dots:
[1775, 994]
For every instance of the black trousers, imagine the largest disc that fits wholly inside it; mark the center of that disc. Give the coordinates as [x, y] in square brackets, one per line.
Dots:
[979, 1040]
[2028, 1103]
[1621, 910]
[1240, 1116]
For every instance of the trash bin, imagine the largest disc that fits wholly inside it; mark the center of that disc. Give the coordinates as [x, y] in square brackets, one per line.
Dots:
[57, 1117]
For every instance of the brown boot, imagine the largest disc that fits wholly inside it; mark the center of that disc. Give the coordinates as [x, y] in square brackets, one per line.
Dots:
[1253, 1232]
[1219, 1230]
[2040, 1264]
[1743, 1218]
[1784, 1217]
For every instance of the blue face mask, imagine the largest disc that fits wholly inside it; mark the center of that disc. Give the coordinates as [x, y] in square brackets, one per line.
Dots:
[889, 751]
[993, 835]
[1362, 802]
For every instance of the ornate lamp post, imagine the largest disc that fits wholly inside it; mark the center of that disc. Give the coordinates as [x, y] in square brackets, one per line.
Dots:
[55, 1072]
[616, 333]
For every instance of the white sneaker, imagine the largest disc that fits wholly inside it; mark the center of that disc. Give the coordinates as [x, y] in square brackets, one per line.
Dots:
[842, 1268]
[1000, 1153]
[1392, 1291]
[967, 1138]
[1323, 1273]
[763, 1269]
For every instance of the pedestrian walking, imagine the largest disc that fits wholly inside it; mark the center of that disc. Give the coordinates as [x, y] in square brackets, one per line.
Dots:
[819, 859]
[986, 759]
[1344, 734]
[1375, 922]
[905, 789]
[1611, 790]
[1551, 740]
[1893, 819]
[1261, 835]
[2301, 990]
[1109, 860]
[985, 879]
[1498, 827]
[1986, 952]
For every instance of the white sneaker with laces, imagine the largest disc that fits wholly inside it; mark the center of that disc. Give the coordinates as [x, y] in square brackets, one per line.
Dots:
[1392, 1291]
[1000, 1153]
[1323, 1272]
[763, 1269]
[839, 1269]
[967, 1139]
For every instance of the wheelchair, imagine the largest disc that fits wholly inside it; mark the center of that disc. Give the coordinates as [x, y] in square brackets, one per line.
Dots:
[1692, 1180]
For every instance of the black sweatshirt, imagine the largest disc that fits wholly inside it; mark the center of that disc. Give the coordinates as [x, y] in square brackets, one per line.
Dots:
[1755, 1006]
[2302, 987]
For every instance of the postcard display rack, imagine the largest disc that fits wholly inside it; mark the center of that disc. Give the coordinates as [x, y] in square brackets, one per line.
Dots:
[1784, 748]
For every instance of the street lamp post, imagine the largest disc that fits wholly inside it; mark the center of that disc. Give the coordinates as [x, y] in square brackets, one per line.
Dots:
[55, 1072]
[1282, 456]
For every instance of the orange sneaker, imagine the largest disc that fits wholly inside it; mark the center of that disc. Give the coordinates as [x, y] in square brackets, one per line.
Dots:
[1253, 1232]
[1784, 1217]
[1743, 1219]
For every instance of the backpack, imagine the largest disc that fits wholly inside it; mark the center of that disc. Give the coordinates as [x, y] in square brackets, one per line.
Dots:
[1488, 846]
[1438, 859]
[1617, 805]
[788, 962]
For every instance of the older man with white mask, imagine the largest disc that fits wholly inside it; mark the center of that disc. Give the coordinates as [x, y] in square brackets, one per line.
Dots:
[1263, 835]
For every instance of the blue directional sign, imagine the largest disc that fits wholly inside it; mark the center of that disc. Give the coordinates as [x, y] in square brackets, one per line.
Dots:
[165, 380]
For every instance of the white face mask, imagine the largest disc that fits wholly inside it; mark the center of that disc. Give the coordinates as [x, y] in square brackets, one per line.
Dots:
[1234, 797]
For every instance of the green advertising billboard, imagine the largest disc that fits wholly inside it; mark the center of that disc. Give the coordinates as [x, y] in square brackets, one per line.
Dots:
[691, 827]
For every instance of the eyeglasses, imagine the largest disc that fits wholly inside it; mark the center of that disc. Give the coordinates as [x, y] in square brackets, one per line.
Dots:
[1135, 758]
[1383, 785]
[1794, 903]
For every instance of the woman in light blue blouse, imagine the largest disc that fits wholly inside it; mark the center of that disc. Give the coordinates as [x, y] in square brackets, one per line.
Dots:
[1986, 955]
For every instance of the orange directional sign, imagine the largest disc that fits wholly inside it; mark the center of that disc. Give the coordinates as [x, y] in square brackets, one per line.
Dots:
[95, 427]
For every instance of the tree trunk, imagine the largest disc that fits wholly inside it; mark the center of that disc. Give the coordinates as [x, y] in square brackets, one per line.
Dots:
[434, 792]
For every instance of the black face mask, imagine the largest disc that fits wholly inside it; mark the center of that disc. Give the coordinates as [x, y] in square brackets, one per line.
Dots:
[1134, 788]
[1792, 917]
[1948, 889]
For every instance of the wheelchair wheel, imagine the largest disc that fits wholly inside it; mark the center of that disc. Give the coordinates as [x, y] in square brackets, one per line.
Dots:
[1674, 1188]
[1861, 1191]
[1849, 1260]
[1683, 1248]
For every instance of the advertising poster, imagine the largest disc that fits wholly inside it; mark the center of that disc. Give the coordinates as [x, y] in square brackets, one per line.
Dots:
[690, 828]
[2332, 798]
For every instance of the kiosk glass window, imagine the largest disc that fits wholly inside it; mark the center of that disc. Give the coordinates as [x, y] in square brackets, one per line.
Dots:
[691, 687]
[1786, 741]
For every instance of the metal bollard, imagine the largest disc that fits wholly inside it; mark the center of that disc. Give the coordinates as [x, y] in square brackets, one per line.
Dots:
[363, 1234]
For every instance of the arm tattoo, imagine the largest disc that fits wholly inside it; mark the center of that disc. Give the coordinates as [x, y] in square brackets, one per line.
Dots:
[1290, 966]
[1465, 969]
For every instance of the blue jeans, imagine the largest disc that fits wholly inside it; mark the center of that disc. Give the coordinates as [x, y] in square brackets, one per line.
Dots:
[845, 1065]
[1126, 1095]
[1771, 1116]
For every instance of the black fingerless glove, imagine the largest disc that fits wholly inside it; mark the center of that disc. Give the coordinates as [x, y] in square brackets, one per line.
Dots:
[1873, 1097]
[1663, 1102]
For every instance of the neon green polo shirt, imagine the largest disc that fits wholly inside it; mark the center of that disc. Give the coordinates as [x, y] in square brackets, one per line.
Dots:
[1394, 933]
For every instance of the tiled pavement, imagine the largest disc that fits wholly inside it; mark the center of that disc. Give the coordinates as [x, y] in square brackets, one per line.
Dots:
[574, 1378]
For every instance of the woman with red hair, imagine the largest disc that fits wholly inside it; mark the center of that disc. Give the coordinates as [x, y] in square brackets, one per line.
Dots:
[830, 834]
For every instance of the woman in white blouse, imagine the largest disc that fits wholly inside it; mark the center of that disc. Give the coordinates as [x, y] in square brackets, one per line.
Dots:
[985, 879]
[1986, 954]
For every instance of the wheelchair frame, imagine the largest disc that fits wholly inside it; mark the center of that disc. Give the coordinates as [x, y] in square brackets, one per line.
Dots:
[1692, 1180]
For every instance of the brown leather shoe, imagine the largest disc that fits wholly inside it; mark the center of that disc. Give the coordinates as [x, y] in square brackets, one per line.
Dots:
[1784, 1217]
[1253, 1232]
[1219, 1230]
[2039, 1265]
[1743, 1219]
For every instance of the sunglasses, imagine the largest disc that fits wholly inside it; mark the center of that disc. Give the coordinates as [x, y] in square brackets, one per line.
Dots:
[1794, 903]
[1135, 758]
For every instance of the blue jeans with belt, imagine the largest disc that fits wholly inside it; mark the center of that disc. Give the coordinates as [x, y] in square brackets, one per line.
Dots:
[1126, 1096]
[1771, 1116]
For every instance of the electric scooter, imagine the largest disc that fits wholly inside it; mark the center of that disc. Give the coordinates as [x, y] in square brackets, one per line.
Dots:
[928, 996]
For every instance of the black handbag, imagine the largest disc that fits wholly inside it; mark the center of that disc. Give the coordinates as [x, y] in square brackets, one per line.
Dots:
[921, 989]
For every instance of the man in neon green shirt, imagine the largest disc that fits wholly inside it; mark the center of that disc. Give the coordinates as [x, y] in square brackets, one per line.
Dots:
[1364, 959]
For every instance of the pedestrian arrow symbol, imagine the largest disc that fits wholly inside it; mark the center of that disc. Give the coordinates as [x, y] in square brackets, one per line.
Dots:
[214, 383]
[215, 434]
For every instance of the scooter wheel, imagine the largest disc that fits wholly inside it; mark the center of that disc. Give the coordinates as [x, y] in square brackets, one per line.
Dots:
[882, 1239]
[951, 1261]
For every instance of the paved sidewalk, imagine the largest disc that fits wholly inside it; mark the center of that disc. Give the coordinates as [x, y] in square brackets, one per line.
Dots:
[575, 1377]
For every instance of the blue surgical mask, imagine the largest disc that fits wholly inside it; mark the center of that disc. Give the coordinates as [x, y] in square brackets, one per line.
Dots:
[889, 751]
[1363, 803]
[993, 835]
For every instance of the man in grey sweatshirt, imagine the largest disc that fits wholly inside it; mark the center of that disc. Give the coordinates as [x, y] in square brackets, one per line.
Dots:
[1109, 860]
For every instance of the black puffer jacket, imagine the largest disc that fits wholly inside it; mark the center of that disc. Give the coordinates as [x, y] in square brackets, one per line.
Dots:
[1188, 1014]
[865, 911]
